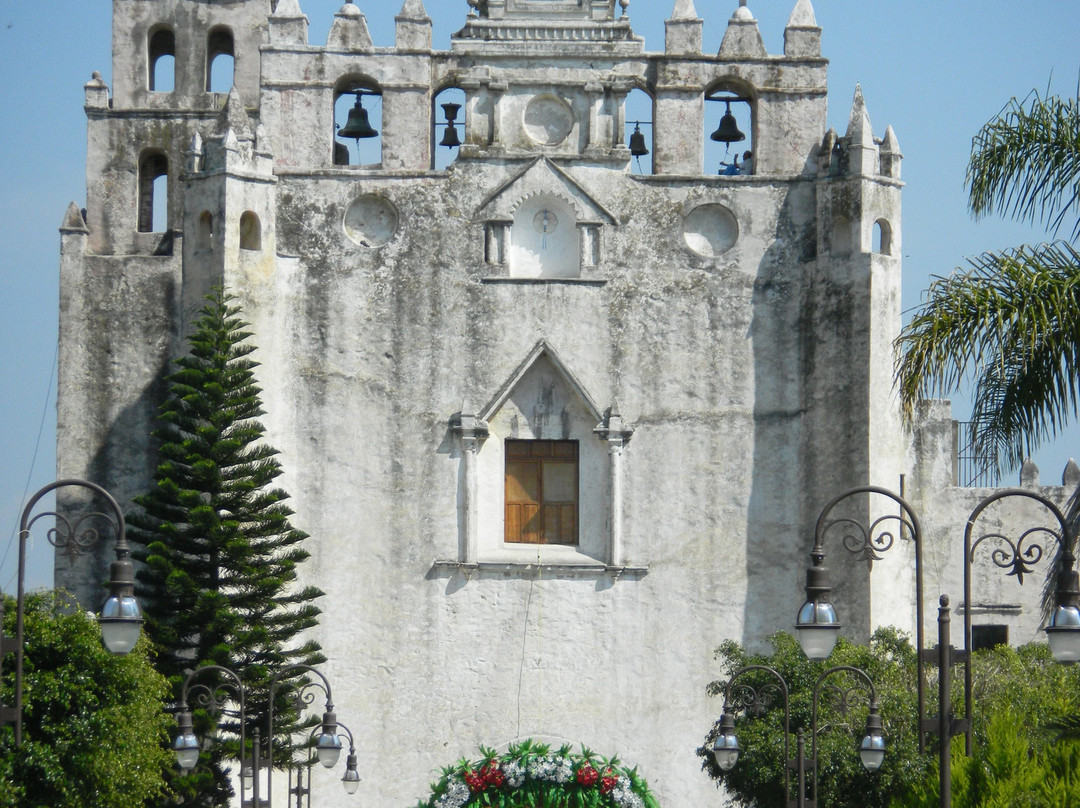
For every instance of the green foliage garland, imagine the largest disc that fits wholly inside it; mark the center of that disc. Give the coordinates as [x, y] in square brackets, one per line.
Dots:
[531, 775]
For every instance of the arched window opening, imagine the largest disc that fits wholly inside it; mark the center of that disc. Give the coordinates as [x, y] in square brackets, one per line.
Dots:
[545, 241]
[639, 130]
[448, 131]
[153, 193]
[358, 118]
[204, 235]
[220, 61]
[729, 132]
[250, 231]
[161, 61]
[882, 237]
[841, 237]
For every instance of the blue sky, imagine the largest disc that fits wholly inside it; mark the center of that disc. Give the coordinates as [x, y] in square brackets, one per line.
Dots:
[935, 71]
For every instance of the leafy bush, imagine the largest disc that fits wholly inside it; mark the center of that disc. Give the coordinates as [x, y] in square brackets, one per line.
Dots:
[93, 723]
[1019, 697]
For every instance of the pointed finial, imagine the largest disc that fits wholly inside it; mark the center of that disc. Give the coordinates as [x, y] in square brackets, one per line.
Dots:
[802, 16]
[1071, 476]
[1029, 474]
[684, 10]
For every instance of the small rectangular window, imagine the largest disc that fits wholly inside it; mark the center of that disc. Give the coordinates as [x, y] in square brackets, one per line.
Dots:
[541, 491]
[988, 636]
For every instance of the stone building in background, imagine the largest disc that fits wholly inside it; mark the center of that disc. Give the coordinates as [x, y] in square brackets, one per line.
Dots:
[559, 417]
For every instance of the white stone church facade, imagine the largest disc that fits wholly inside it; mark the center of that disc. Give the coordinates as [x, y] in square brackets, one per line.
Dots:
[556, 427]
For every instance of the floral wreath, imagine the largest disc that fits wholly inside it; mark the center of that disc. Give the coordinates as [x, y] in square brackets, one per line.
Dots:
[530, 775]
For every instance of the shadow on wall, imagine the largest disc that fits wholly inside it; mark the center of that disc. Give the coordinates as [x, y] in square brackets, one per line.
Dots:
[805, 372]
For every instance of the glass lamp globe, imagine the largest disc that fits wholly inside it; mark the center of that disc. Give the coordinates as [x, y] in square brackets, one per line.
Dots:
[329, 748]
[351, 779]
[872, 751]
[121, 621]
[186, 747]
[726, 745]
[1063, 634]
[817, 628]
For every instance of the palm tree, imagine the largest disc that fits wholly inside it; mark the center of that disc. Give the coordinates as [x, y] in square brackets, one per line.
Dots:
[1011, 320]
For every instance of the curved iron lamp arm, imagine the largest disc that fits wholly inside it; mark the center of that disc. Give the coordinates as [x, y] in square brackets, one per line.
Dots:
[814, 710]
[870, 547]
[1016, 559]
[760, 701]
[329, 722]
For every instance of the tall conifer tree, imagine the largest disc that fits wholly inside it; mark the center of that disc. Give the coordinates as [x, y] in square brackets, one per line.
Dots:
[218, 552]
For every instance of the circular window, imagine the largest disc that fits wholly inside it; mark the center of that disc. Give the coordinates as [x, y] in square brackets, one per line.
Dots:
[548, 120]
[710, 230]
[371, 221]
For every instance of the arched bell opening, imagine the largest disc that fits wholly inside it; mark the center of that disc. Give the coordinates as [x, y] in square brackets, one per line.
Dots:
[729, 130]
[161, 60]
[882, 237]
[204, 232]
[638, 121]
[153, 214]
[357, 123]
[448, 127]
[220, 60]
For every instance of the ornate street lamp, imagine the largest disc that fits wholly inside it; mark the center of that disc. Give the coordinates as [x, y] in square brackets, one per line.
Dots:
[215, 699]
[120, 619]
[817, 623]
[741, 695]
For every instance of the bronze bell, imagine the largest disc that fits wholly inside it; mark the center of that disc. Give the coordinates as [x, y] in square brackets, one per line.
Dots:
[728, 130]
[450, 137]
[637, 142]
[357, 126]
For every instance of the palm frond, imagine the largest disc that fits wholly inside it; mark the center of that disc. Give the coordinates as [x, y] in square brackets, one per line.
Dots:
[1011, 321]
[1025, 163]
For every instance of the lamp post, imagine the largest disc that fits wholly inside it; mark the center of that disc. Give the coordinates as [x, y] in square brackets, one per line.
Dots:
[350, 780]
[215, 699]
[726, 747]
[817, 623]
[120, 618]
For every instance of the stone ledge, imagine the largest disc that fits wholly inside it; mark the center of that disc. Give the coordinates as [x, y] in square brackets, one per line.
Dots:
[566, 570]
[542, 281]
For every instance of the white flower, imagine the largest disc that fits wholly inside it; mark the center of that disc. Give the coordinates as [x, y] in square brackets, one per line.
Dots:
[456, 794]
[515, 773]
[624, 795]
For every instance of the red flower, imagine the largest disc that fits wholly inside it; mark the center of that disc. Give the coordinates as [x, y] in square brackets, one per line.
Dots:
[474, 781]
[587, 775]
[608, 782]
[492, 774]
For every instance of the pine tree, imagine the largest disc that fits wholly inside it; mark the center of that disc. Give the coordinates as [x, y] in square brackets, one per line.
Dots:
[218, 552]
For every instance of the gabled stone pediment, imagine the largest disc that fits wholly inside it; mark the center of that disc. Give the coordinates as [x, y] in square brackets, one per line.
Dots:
[542, 176]
[548, 401]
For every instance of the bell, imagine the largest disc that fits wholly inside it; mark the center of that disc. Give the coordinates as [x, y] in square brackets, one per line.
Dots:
[637, 142]
[450, 137]
[728, 130]
[357, 125]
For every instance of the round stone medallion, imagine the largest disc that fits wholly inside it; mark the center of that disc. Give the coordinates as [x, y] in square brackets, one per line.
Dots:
[371, 220]
[710, 230]
[548, 120]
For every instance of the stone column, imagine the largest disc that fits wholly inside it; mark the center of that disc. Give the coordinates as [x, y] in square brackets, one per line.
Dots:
[616, 435]
[471, 432]
[595, 91]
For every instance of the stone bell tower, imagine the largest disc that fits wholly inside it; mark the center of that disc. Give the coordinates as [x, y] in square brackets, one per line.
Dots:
[557, 424]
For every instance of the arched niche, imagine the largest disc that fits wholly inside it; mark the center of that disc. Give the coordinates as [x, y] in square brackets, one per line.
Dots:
[841, 236]
[153, 213]
[358, 93]
[220, 60]
[250, 231]
[204, 232]
[442, 155]
[544, 239]
[729, 158]
[639, 120]
[161, 60]
[882, 237]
